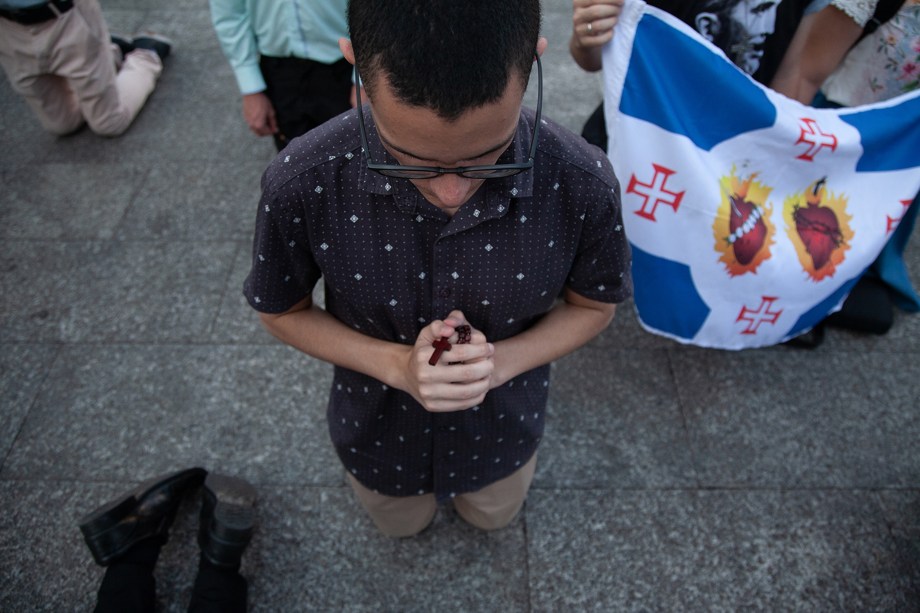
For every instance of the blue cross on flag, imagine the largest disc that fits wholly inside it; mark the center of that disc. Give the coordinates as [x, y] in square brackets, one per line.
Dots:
[751, 216]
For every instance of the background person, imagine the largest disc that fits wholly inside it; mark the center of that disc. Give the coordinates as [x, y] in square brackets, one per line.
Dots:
[849, 53]
[754, 34]
[126, 534]
[287, 63]
[59, 57]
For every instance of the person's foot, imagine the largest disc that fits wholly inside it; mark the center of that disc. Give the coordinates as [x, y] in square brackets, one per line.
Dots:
[227, 519]
[145, 512]
[152, 41]
[124, 45]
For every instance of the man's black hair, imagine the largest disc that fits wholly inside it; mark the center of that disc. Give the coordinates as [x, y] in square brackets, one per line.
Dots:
[449, 56]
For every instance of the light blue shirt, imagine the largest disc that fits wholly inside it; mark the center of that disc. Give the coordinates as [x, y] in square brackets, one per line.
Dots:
[815, 6]
[248, 29]
[20, 4]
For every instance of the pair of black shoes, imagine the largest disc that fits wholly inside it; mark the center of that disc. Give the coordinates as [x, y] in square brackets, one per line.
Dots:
[147, 512]
[148, 40]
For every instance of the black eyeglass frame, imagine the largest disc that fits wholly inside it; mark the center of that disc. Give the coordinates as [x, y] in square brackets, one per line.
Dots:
[491, 171]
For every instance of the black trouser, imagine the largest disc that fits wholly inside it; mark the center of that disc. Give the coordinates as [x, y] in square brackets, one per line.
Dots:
[595, 128]
[128, 585]
[305, 93]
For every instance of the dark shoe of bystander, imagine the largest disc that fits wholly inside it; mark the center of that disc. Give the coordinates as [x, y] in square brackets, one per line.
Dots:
[227, 519]
[152, 41]
[145, 512]
[124, 45]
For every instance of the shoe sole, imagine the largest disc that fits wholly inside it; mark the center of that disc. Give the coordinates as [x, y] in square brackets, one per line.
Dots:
[234, 501]
[232, 519]
[156, 37]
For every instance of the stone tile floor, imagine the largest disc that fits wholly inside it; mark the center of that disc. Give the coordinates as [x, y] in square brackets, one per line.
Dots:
[671, 478]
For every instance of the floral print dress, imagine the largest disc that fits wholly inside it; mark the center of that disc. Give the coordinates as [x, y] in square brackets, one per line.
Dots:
[882, 65]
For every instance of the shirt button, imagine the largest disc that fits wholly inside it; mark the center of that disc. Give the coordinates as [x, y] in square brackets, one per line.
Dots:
[444, 292]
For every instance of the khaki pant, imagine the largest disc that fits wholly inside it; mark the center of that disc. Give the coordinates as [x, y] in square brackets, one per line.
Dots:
[65, 69]
[490, 508]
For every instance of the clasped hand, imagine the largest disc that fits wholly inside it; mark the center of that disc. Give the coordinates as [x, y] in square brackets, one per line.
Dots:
[463, 375]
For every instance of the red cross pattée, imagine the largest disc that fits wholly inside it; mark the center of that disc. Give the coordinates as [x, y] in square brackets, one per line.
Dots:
[894, 221]
[657, 192]
[760, 315]
[811, 134]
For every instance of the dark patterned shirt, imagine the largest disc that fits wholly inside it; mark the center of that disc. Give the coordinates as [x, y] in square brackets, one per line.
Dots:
[392, 263]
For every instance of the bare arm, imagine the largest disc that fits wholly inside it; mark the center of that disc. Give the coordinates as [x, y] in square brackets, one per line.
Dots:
[820, 43]
[438, 388]
[444, 387]
[569, 325]
[592, 26]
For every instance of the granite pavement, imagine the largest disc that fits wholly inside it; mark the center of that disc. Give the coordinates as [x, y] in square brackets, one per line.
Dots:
[671, 478]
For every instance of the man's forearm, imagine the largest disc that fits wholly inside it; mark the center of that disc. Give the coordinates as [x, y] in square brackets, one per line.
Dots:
[569, 325]
[318, 334]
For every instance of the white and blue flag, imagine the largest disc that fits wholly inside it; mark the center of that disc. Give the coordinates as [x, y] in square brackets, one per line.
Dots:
[751, 216]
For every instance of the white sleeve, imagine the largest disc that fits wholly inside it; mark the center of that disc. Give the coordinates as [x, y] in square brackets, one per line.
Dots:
[860, 11]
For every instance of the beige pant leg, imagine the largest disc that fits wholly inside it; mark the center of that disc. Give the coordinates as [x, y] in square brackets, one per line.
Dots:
[397, 516]
[66, 71]
[494, 506]
[23, 56]
[109, 102]
[53, 102]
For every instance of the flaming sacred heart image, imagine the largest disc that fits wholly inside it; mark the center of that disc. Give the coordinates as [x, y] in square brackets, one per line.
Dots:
[748, 230]
[746, 224]
[742, 227]
[818, 226]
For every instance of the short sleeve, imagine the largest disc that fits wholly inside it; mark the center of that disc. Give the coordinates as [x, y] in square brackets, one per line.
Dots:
[602, 268]
[283, 270]
[860, 11]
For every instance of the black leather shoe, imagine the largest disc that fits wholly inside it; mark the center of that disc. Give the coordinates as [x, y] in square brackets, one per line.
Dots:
[145, 512]
[227, 519]
[124, 45]
[153, 42]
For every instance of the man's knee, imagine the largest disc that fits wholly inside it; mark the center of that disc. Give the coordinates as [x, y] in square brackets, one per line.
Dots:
[110, 125]
[406, 527]
[397, 517]
[55, 109]
[496, 505]
[62, 126]
[495, 518]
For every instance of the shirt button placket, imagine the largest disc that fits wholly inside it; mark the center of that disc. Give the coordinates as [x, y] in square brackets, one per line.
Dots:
[444, 453]
[441, 281]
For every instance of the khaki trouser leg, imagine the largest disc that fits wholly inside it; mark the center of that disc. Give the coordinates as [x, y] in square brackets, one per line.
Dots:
[52, 102]
[494, 506]
[66, 71]
[490, 508]
[109, 101]
[25, 60]
[397, 516]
